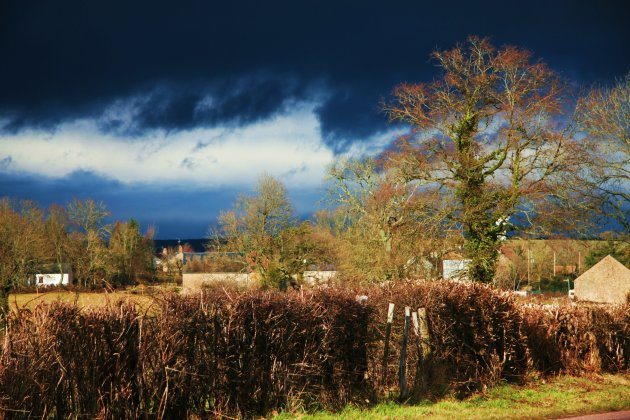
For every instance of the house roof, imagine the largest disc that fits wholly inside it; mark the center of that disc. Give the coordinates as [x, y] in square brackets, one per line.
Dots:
[607, 281]
[53, 268]
[607, 268]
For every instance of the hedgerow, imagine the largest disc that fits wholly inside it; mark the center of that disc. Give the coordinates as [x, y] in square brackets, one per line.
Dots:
[246, 354]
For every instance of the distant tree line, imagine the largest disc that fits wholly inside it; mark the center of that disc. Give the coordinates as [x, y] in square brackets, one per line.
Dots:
[75, 235]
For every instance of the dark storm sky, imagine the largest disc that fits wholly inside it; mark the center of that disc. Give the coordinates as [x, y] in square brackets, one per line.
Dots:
[167, 110]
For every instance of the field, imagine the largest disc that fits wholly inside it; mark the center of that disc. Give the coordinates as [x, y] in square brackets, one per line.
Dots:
[83, 299]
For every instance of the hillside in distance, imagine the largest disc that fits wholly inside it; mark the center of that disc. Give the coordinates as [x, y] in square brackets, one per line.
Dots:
[196, 244]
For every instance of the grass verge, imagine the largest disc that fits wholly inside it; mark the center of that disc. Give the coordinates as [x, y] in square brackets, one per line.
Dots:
[559, 397]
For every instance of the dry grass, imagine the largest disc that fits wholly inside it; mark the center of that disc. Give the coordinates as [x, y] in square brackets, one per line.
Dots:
[82, 299]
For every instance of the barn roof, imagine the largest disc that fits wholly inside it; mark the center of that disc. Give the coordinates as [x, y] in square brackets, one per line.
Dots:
[607, 281]
[607, 267]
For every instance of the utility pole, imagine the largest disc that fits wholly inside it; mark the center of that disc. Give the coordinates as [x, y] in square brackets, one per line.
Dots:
[529, 260]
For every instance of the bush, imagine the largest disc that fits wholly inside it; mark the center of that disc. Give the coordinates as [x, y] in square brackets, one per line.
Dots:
[211, 354]
[225, 352]
[61, 361]
[577, 339]
[475, 332]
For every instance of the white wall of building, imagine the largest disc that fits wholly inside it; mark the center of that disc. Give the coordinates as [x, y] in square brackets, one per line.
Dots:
[52, 279]
[194, 281]
[455, 269]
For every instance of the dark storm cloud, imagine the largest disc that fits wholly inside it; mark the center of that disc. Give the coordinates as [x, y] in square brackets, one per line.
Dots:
[227, 103]
[71, 59]
[349, 115]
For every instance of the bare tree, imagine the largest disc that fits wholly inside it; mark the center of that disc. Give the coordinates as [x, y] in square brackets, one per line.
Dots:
[604, 115]
[88, 217]
[130, 253]
[390, 228]
[486, 137]
[56, 228]
[22, 245]
[256, 225]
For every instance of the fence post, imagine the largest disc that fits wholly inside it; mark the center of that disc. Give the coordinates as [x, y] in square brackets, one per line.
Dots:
[388, 331]
[424, 332]
[416, 332]
[421, 329]
[402, 364]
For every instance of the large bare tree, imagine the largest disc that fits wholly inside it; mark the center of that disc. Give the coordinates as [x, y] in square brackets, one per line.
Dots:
[486, 136]
[388, 228]
[604, 115]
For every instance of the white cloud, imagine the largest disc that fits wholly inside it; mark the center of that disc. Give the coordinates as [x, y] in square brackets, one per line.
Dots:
[289, 146]
[374, 145]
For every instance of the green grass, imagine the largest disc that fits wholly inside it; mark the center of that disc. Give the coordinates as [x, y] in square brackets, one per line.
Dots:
[561, 397]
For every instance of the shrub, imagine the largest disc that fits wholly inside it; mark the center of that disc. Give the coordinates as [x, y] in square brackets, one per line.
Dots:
[475, 333]
[61, 361]
[576, 339]
[214, 353]
[225, 352]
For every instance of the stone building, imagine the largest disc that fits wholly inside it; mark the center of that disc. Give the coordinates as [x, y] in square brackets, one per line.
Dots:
[608, 281]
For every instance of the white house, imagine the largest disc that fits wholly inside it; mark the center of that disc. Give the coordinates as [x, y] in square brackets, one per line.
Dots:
[55, 279]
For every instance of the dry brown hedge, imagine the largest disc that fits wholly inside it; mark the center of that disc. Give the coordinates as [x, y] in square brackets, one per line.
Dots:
[59, 360]
[575, 339]
[476, 337]
[246, 354]
[211, 354]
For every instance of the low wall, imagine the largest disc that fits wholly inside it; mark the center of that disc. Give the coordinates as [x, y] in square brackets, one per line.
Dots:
[314, 278]
[194, 281]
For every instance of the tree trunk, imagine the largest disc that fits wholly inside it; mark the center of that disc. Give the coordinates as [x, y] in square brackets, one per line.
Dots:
[480, 230]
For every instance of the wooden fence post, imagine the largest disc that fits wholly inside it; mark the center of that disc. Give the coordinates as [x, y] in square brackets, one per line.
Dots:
[402, 364]
[388, 331]
[416, 332]
[423, 349]
[424, 332]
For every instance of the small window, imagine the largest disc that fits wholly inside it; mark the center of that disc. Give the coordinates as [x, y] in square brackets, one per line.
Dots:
[40, 279]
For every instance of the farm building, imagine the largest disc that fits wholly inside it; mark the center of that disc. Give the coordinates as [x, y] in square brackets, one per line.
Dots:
[608, 281]
[52, 278]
